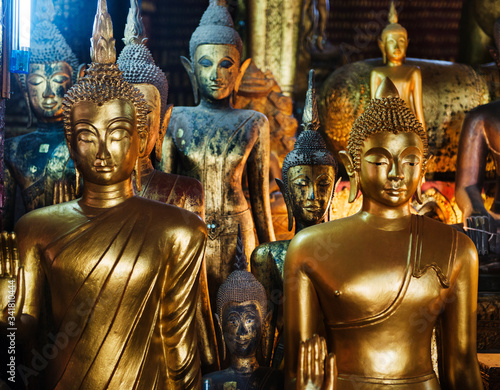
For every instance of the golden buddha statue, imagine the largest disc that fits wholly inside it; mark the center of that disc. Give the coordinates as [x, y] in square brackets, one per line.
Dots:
[407, 78]
[243, 323]
[214, 143]
[35, 161]
[309, 173]
[382, 279]
[122, 271]
[138, 67]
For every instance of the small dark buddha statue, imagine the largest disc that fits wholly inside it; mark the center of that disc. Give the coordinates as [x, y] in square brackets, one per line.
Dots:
[380, 281]
[309, 174]
[215, 143]
[36, 161]
[121, 272]
[138, 67]
[243, 321]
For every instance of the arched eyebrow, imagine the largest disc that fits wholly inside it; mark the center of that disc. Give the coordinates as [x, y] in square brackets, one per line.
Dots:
[378, 150]
[119, 121]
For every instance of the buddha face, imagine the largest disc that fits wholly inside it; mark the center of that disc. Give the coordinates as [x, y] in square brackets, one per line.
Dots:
[395, 45]
[105, 143]
[47, 84]
[242, 326]
[153, 100]
[216, 69]
[310, 188]
[391, 166]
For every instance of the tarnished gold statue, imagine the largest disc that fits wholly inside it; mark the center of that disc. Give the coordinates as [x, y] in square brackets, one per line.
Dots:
[139, 68]
[243, 319]
[214, 143]
[35, 161]
[309, 173]
[382, 279]
[407, 78]
[122, 270]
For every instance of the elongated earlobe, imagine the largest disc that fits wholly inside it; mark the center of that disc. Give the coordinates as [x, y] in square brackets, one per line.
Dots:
[137, 174]
[163, 131]
[288, 202]
[222, 344]
[346, 158]
[188, 65]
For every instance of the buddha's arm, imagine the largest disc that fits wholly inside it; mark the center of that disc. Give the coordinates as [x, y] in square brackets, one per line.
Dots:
[375, 81]
[301, 307]
[458, 364]
[258, 180]
[195, 199]
[471, 165]
[178, 308]
[417, 96]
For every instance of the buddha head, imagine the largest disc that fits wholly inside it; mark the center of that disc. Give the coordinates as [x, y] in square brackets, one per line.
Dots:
[53, 67]
[309, 170]
[242, 314]
[215, 49]
[105, 116]
[394, 39]
[139, 68]
[387, 151]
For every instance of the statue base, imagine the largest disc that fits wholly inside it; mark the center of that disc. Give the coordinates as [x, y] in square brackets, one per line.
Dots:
[489, 364]
[488, 323]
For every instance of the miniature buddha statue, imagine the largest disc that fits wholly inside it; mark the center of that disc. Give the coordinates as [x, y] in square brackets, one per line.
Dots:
[35, 161]
[122, 270]
[380, 280]
[215, 143]
[309, 173]
[138, 67]
[243, 319]
[407, 78]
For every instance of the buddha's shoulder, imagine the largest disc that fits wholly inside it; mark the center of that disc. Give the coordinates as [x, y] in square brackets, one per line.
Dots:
[275, 249]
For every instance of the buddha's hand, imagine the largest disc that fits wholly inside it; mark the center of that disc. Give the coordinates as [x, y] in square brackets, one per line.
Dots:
[64, 191]
[316, 370]
[11, 280]
[482, 230]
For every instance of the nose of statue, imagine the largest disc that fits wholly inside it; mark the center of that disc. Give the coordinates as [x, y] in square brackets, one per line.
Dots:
[48, 91]
[310, 195]
[396, 173]
[242, 331]
[102, 152]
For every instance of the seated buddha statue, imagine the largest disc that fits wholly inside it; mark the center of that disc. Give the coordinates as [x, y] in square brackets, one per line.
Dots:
[407, 78]
[122, 271]
[138, 67]
[35, 161]
[243, 322]
[215, 143]
[309, 173]
[382, 279]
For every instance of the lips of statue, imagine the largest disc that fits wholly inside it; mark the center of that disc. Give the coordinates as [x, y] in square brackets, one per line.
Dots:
[47, 84]
[216, 69]
[391, 166]
[105, 140]
[310, 188]
[242, 326]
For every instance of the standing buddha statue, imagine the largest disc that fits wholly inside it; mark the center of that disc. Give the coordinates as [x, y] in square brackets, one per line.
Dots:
[382, 279]
[214, 143]
[122, 270]
[138, 67]
[35, 161]
[407, 78]
[243, 323]
[309, 173]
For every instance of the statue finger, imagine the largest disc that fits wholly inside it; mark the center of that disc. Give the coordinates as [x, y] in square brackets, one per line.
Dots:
[20, 292]
[331, 373]
[318, 365]
[15, 254]
[301, 381]
[6, 254]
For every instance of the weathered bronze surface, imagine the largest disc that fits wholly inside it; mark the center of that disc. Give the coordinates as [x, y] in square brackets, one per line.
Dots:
[309, 172]
[139, 68]
[382, 279]
[36, 161]
[407, 78]
[214, 143]
[122, 271]
[450, 90]
[243, 323]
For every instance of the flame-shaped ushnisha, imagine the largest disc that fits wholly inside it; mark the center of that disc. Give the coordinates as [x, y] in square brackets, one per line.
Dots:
[134, 28]
[102, 43]
[310, 117]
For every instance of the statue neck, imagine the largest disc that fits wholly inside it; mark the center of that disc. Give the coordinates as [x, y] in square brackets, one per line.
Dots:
[385, 218]
[146, 166]
[221, 104]
[244, 365]
[106, 196]
[395, 63]
[50, 127]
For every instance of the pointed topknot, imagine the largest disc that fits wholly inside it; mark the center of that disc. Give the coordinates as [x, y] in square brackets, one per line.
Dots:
[310, 118]
[393, 15]
[45, 11]
[134, 29]
[102, 43]
[386, 89]
[240, 261]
